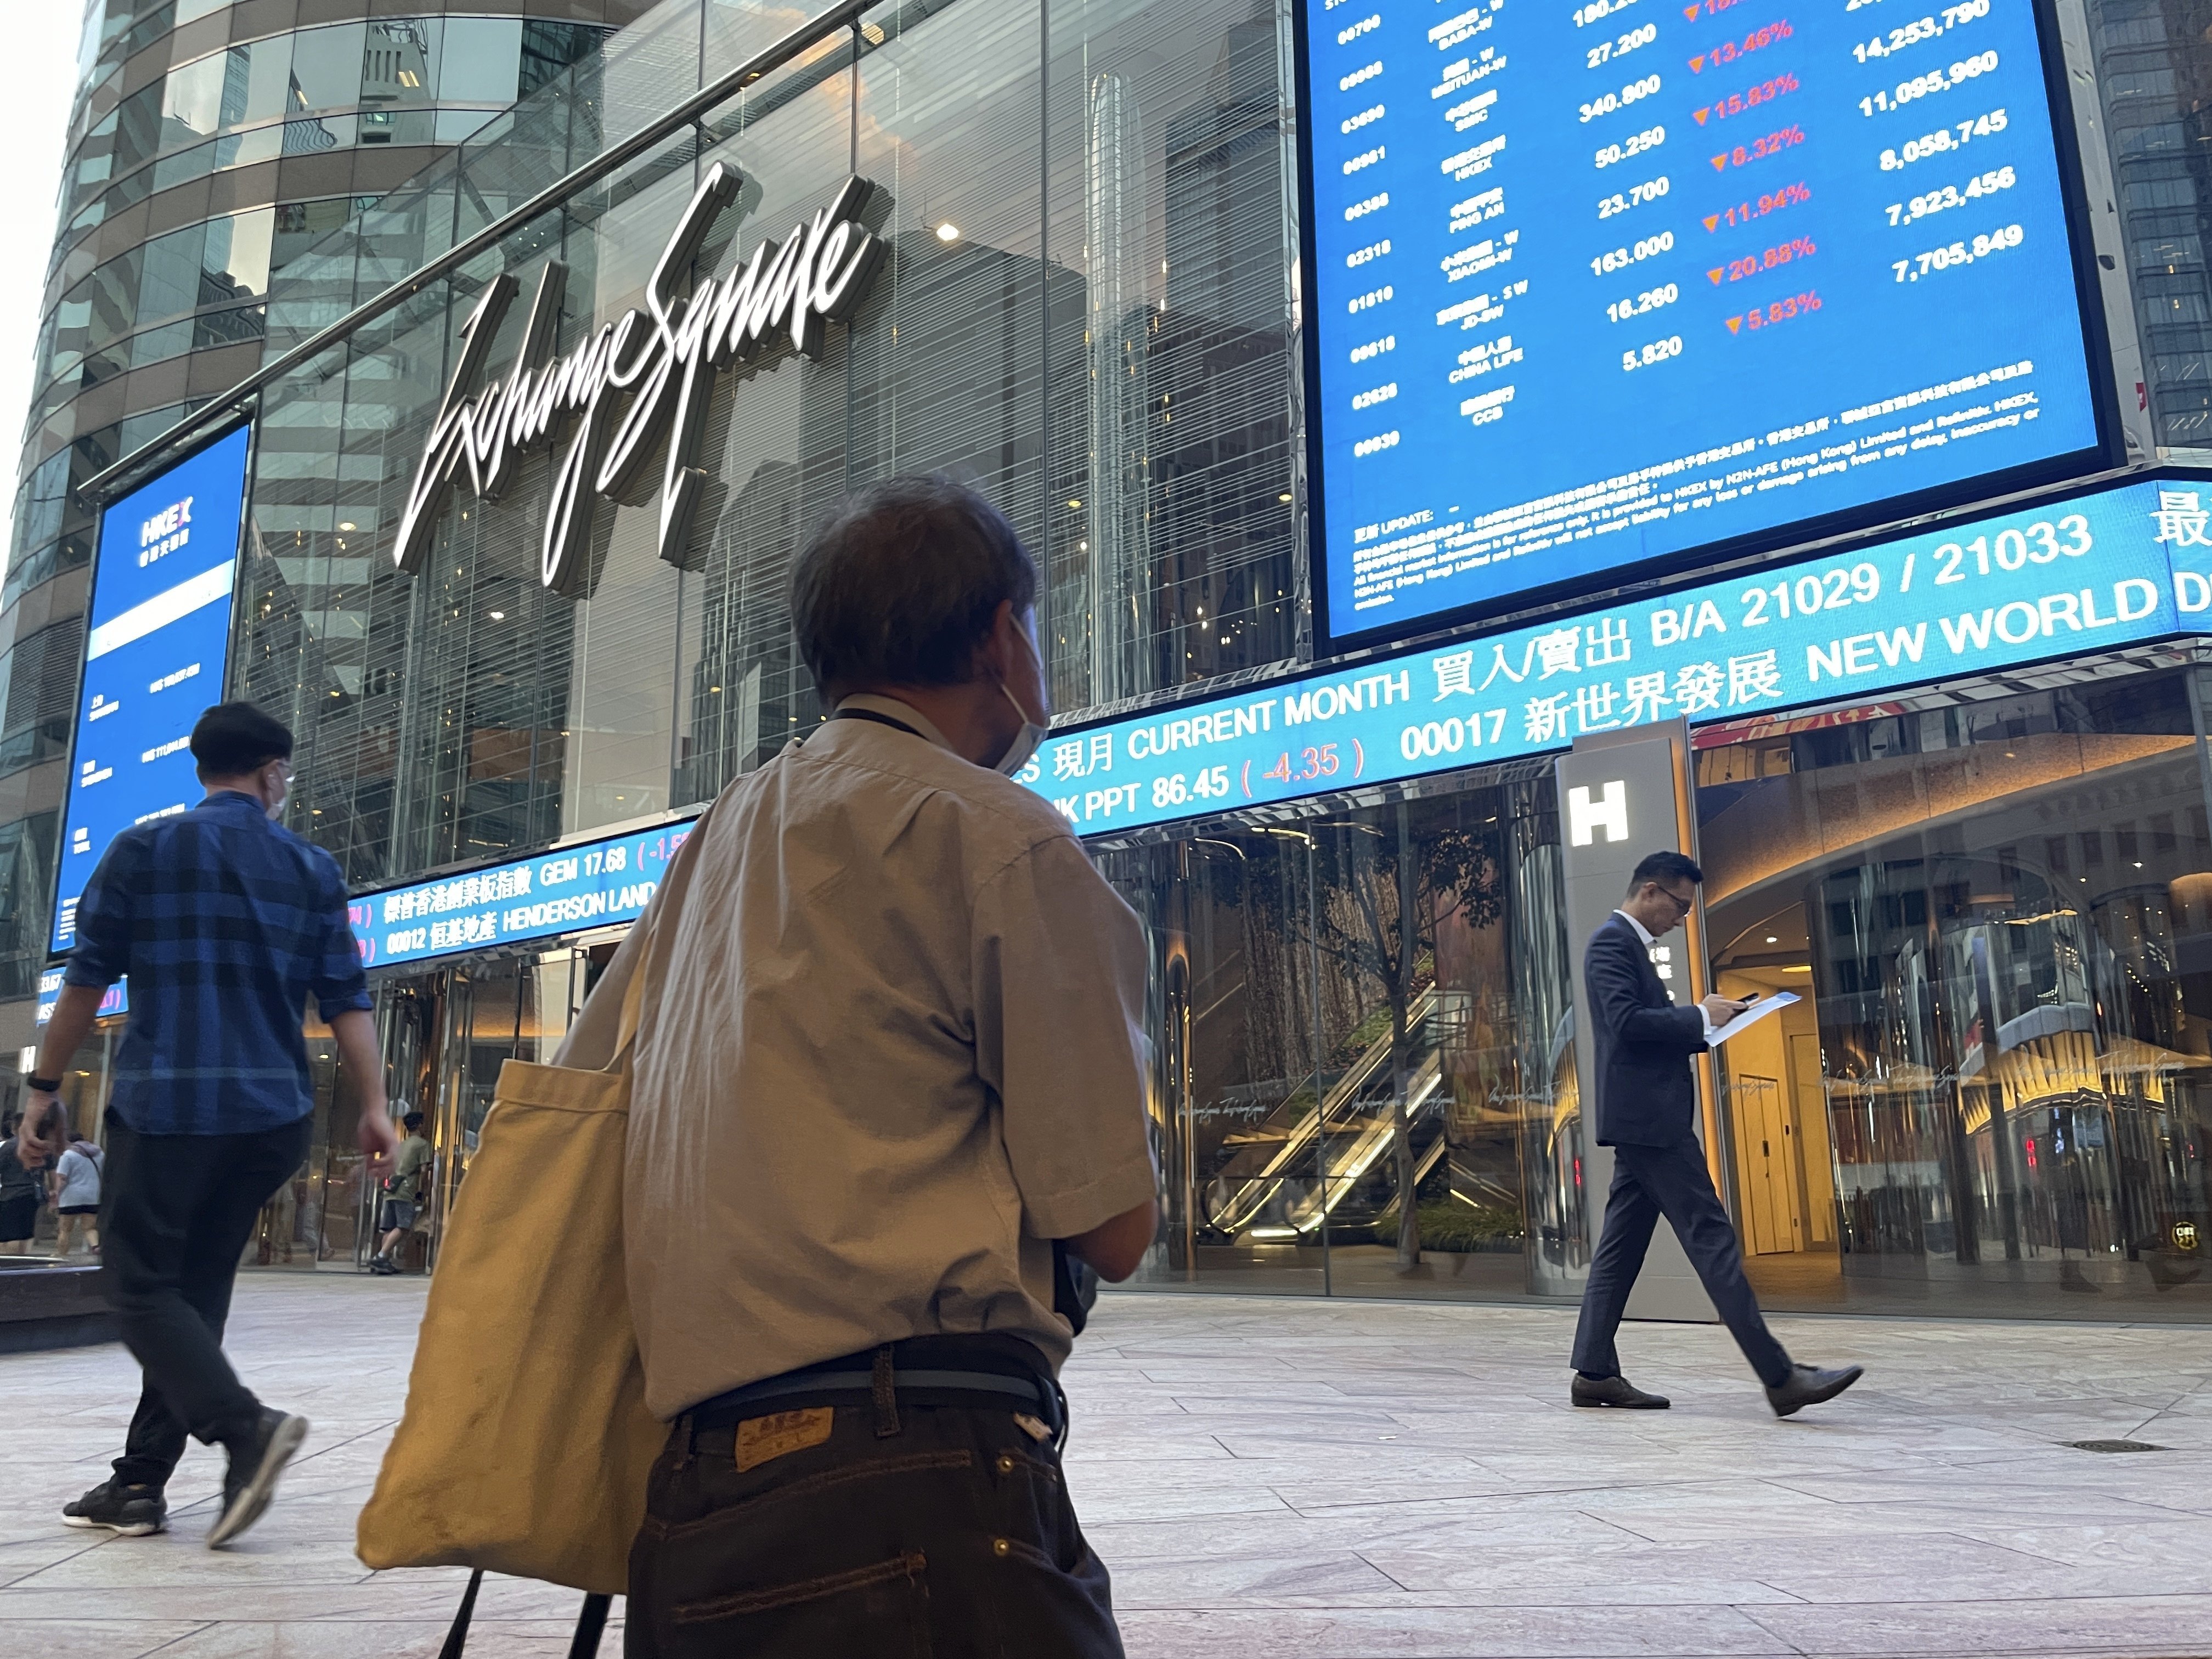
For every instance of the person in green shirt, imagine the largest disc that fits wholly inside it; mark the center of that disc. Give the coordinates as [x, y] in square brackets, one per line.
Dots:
[402, 1193]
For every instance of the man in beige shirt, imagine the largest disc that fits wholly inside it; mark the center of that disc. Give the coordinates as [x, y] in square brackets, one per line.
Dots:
[896, 1056]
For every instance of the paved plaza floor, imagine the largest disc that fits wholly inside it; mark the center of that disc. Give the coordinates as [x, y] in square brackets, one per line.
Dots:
[1300, 1478]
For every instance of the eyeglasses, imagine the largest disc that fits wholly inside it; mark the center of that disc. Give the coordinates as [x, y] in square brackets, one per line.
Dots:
[1683, 905]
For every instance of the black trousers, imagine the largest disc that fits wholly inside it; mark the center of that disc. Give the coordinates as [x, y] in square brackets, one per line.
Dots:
[951, 1536]
[175, 1214]
[1647, 1182]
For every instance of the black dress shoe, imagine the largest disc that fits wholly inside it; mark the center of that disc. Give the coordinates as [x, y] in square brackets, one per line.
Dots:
[1615, 1391]
[1808, 1385]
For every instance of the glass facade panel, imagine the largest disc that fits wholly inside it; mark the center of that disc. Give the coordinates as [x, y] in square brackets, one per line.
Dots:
[1994, 1097]
[1352, 1005]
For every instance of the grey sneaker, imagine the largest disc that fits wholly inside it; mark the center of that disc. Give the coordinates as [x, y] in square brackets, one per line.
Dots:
[256, 1463]
[126, 1511]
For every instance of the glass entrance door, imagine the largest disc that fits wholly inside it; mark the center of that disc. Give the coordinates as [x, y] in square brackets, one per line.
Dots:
[1997, 1091]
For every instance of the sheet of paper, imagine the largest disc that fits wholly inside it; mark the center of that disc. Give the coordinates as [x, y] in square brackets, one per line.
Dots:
[1751, 1016]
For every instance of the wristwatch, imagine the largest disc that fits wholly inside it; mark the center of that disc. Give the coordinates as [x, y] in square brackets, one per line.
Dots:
[45, 1085]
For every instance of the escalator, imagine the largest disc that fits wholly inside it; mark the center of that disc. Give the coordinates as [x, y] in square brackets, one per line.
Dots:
[1270, 1190]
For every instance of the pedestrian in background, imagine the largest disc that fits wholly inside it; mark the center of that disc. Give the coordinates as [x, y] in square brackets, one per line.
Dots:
[76, 1197]
[403, 1194]
[22, 1190]
[226, 923]
[1644, 1097]
[899, 1054]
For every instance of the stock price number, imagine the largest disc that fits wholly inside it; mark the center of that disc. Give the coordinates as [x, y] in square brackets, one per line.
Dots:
[1208, 783]
[1302, 766]
[1828, 590]
[1649, 248]
[1658, 352]
[1650, 299]
[2039, 543]
[1649, 139]
[1634, 93]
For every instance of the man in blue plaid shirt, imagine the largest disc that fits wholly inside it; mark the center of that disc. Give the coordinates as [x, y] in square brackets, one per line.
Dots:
[225, 923]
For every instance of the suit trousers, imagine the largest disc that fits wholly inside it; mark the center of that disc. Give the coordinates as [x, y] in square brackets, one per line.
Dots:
[176, 1213]
[1647, 1182]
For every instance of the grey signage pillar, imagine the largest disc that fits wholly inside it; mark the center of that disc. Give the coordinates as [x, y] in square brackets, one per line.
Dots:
[1623, 795]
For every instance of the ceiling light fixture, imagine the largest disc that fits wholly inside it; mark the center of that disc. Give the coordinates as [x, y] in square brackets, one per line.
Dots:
[948, 232]
[347, 526]
[499, 616]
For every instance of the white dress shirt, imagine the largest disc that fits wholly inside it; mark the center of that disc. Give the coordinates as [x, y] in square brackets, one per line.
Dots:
[1646, 934]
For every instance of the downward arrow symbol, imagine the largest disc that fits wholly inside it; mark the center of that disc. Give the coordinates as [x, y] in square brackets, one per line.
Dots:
[1736, 324]
[1698, 115]
[1714, 273]
[1719, 162]
[1690, 13]
[1698, 64]
[1712, 220]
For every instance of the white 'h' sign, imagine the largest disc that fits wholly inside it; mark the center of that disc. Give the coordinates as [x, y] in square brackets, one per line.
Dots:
[1586, 817]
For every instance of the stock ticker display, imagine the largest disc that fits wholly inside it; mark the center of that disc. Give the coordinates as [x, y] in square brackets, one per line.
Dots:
[1596, 285]
[2062, 576]
[157, 646]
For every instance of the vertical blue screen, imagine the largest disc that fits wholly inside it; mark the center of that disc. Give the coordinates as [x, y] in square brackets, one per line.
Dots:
[156, 647]
[1598, 285]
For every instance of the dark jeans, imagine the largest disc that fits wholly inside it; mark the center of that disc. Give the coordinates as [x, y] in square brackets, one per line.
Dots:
[175, 1214]
[951, 1538]
[1648, 1182]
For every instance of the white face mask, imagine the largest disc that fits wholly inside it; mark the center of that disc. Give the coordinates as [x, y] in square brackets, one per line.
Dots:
[279, 792]
[1025, 744]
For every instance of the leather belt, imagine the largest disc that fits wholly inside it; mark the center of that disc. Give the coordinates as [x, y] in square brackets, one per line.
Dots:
[877, 1378]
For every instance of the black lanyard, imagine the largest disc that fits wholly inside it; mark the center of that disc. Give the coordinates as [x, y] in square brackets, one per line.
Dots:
[880, 720]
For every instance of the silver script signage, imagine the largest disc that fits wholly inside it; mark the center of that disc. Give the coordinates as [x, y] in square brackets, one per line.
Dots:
[646, 374]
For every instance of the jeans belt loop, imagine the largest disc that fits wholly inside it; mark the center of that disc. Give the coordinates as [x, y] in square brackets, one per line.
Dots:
[886, 1395]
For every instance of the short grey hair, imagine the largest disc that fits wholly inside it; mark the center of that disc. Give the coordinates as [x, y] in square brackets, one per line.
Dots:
[900, 585]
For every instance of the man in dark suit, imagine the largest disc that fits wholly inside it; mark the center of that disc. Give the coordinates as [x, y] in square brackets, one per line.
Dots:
[1643, 1100]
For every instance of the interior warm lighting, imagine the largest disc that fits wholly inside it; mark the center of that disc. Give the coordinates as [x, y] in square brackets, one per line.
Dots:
[948, 232]
[1075, 500]
[348, 526]
[1798, 968]
[1284, 496]
[499, 616]
[1772, 939]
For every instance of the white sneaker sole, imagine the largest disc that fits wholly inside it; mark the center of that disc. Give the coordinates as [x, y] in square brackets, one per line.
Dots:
[121, 1529]
[247, 1507]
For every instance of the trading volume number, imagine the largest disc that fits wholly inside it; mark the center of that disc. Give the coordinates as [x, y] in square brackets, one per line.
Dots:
[1927, 85]
[1957, 253]
[1957, 135]
[1951, 195]
[1924, 29]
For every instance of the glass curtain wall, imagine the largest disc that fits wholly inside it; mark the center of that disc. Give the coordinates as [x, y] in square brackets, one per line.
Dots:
[1996, 1097]
[1088, 213]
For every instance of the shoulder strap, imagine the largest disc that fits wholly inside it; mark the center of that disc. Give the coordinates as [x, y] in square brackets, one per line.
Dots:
[658, 925]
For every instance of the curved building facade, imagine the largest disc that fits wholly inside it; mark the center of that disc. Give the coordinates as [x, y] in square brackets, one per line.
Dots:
[210, 144]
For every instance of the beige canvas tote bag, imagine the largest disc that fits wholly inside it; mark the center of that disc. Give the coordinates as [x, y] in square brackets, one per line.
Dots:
[526, 1444]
